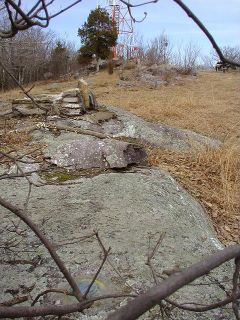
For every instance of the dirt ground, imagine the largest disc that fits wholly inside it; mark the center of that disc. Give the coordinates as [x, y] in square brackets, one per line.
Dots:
[207, 103]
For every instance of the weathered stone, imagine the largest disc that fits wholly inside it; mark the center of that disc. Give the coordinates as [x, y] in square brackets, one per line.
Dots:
[25, 167]
[26, 107]
[21, 101]
[83, 123]
[90, 152]
[42, 99]
[70, 100]
[83, 87]
[65, 103]
[72, 111]
[71, 106]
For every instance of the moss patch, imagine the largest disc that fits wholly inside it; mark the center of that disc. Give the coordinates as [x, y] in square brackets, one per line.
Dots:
[62, 175]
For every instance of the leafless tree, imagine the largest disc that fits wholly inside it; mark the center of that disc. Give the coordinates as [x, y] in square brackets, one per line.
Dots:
[20, 18]
[185, 58]
[157, 51]
[33, 45]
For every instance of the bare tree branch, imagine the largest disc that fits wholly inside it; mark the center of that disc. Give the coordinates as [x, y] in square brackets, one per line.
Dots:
[206, 32]
[152, 297]
[14, 301]
[18, 312]
[21, 214]
[40, 12]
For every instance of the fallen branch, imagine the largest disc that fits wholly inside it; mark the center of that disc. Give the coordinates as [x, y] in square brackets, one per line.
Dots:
[66, 292]
[61, 127]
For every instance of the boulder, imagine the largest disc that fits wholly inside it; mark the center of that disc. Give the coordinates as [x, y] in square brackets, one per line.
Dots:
[25, 106]
[90, 152]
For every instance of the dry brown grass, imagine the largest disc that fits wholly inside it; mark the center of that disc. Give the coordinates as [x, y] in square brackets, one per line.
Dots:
[208, 103]
[11, 141]
[213, 178]
[40, 87]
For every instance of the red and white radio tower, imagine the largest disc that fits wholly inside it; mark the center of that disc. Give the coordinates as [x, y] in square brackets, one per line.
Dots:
[119, 13]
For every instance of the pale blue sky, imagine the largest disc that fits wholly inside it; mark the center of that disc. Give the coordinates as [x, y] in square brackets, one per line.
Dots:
[221, 17]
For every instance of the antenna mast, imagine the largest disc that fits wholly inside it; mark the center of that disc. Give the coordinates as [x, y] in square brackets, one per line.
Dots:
[119, 13]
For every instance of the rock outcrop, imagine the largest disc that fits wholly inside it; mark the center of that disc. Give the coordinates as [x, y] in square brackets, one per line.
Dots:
[130, 210]
[130, 207]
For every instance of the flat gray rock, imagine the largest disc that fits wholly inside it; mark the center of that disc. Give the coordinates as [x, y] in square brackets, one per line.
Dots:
[130, 211]
[127, 124]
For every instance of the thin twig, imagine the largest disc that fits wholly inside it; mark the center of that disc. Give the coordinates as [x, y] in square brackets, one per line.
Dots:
[105, 255]
[18, 312]
[146, 301]
[73, 240]
[14, 301]
[66, 292]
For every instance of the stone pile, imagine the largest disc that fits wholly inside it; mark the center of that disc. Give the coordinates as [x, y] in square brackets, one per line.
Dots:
[72, 102]
[154, 75]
